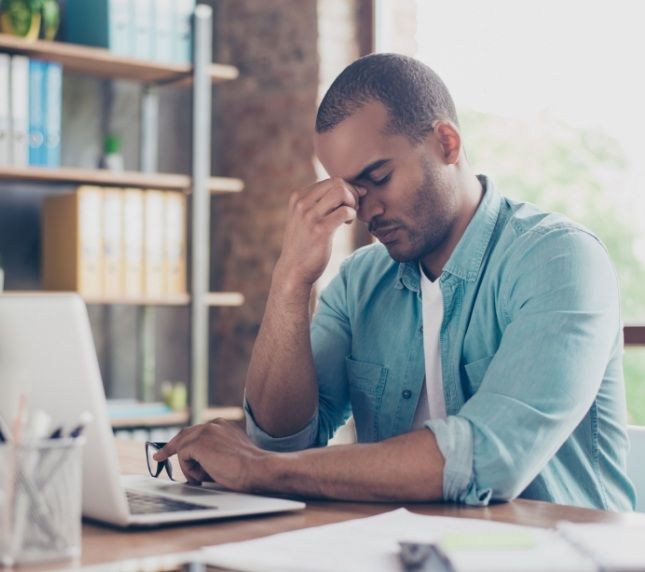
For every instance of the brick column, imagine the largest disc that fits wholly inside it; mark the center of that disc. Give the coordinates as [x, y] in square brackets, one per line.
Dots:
[262, 128]
[288, 52]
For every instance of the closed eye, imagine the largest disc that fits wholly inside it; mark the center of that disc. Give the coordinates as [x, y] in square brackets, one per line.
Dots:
[382, 181]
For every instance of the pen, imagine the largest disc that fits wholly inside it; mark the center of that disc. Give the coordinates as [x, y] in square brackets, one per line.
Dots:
[52, 469]
[56, 433]
[37, 427]
[19, 420]
[5, 434]
[86, 418]
[17, 502]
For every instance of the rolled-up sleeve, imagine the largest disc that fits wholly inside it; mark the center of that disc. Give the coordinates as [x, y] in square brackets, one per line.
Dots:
[303, 439]
[455, 441]
[560, 300]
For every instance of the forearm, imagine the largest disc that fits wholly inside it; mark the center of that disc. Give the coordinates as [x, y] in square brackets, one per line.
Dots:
[281, 386]
[405, 468]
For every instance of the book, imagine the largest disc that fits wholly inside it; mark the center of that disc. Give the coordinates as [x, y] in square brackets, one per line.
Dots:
[112, 223]
[5, 110]
[72, 242]
[19, 81]
[53, 106]
[133, 243]
[100, 23]
[133, 409]
[153, 244]
[141, 29]
[184, 10]
[162, 30]
[37, 113]
[612, 547]
[175, 247]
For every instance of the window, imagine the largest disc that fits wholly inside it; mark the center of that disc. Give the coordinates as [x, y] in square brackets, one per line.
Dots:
[550, 99]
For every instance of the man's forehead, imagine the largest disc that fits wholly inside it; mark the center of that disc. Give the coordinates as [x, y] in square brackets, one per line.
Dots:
[355, 142]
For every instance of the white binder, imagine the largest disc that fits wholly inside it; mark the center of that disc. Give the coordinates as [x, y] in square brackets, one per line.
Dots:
[19, 110]
[112, 242]
[183, 30]
[133, 256]
[163, 38]
[5, 110]
[141, 32]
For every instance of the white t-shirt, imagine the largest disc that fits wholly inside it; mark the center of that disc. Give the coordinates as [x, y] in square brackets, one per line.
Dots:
[432, 403]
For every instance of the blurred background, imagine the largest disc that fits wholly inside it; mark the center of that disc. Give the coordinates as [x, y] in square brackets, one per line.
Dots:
[550, 100]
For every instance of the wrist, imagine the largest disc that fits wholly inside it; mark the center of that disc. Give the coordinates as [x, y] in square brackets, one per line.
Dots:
[289, 283]
[268, 470]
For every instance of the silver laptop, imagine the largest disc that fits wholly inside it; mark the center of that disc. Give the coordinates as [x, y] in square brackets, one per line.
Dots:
[47, 351]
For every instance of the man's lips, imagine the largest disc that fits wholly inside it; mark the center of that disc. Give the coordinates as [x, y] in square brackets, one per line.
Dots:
[386, 235]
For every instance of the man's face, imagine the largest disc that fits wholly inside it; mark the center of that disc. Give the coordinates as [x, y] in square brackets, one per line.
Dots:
[410, 204]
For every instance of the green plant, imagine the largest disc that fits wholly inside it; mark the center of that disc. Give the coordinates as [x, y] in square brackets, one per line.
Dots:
[25, 17]
[31, 5]
[20, 15]
[51, 19]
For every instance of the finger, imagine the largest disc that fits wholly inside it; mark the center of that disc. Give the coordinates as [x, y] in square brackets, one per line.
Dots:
[334, 199]
[343, 214]
[343, 186]
[175, 444]
[310, 196]
[191, 469]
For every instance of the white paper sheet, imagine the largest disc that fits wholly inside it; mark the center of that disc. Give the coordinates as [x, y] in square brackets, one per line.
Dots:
[371, 544]
[614, 547]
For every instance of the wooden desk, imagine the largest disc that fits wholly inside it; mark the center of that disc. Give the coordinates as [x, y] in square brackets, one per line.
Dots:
[102, 544]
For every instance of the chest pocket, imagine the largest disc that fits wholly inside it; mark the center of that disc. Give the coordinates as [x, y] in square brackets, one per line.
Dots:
[475, 372]
[366, 386]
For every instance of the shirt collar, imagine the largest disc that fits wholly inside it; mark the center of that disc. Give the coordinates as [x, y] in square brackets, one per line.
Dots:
[466, 259]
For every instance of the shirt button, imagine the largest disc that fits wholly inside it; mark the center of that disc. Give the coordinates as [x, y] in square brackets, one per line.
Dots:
[406, 394]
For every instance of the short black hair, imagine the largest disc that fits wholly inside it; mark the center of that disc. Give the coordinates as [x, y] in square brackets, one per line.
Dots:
[414, 95]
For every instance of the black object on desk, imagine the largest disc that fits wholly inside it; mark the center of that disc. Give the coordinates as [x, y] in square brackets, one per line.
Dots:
[419, 557]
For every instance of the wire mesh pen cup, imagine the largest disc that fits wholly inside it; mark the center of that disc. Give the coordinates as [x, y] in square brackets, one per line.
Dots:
[40, 501]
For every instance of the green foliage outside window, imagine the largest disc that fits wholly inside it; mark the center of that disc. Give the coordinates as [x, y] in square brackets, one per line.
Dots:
[581, 173]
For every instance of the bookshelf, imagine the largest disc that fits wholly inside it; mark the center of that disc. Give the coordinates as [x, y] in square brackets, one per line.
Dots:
[200, 76]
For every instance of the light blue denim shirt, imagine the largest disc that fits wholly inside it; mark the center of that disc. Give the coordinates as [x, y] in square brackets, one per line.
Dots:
[531, 350]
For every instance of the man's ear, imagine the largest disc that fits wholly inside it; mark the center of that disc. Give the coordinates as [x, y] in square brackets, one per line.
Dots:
[449, 140]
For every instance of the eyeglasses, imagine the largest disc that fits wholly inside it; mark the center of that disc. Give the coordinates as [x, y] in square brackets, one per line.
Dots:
[155, 467]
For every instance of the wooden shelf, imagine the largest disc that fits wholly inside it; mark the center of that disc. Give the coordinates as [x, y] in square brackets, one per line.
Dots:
[170, 419]
[211, 299]
[175, 300]
[224, 185]
[176, 418]
[69, 175]
[99, 62]
[224, 299]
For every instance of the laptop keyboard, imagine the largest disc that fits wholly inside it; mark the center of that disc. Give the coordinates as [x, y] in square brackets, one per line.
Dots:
[141, 503]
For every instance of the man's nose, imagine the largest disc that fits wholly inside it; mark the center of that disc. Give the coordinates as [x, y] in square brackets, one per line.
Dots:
[369, 207]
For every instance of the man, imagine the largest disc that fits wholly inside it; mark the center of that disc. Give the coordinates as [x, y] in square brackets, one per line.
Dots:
[478, 347]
